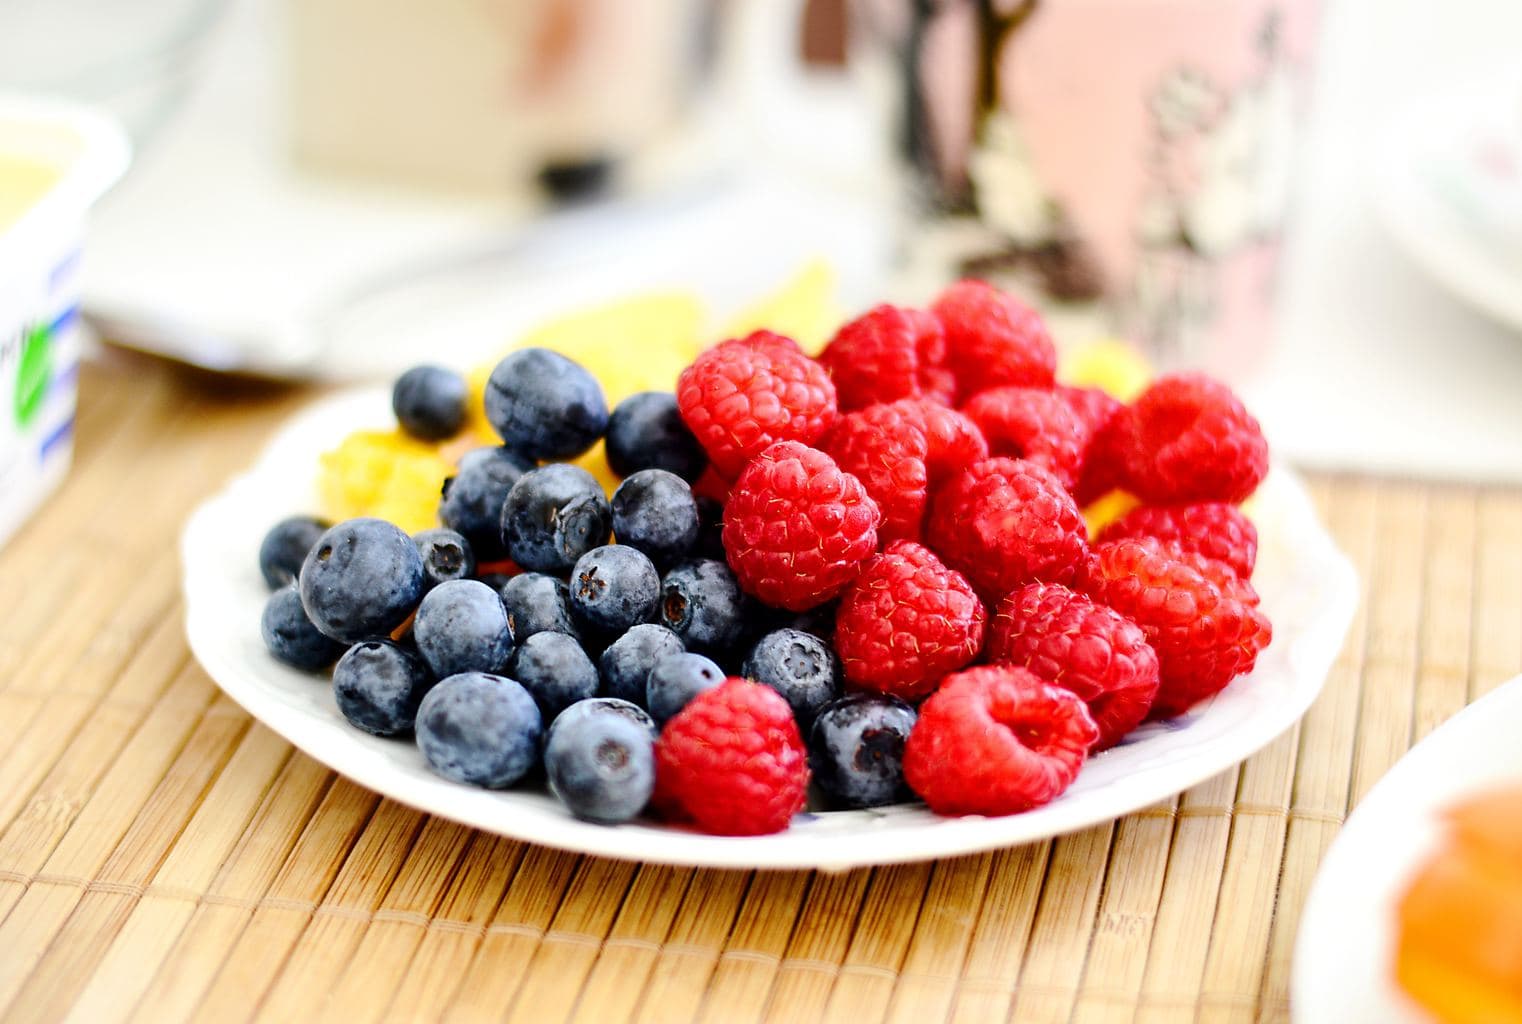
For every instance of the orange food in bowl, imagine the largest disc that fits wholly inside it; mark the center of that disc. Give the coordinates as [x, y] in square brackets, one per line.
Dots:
[1459, 949]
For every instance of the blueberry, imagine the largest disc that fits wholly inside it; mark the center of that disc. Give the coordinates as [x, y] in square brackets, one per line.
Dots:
[625, 666]
[553, 516]
[285, 547]
[856, 749]
[554, 668]
[537, 603]
[675, 680]
[654, 511]
[545, 405]
[429, 402]
[601, 766]
[447, 555]
[646, 432]
[614, 587]
[798, 665]
[378, 685]
[461, 626]
[603, 706]
[710, 542]
[702, 603]
[361, 580]
[474, 496]
[290, 635]
[481, 729]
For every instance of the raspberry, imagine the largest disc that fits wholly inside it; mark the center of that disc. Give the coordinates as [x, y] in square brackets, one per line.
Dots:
[1068, 640]
[1212, 528]
[906, 622]
[1204, 637]
[732, 761]
[1213, 569]
[996, 740]
[1003, 523]
[888, 353]
[993, 339]
[953, 441]
[746, 394]
[1032, 423]
[1195, 441]
[884, 447]
[1103, 458]
[797, 528]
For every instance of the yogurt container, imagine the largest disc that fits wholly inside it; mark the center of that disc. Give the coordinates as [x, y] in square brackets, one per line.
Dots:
[55, 161]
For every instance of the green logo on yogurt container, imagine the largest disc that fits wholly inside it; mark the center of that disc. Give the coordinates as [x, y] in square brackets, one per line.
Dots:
[34, 372]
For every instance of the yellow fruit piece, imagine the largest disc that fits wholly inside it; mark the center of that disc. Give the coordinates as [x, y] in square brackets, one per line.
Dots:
[1110, 364]
[1101, 512]
[386, 474]
[804, 309]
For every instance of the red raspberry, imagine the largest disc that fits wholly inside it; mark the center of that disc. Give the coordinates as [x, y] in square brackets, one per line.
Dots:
[732, 761]
[996, 740]
[1103, 459]
[884, 447]
[1031, 423]
[889, 353]
[906, 622]
[1070, 641]
[797, 528]
[993, 339]
[1213, 528]
[1195, 441]
[1003, 523]
[1204, 637]
[954, 442]
[743, 395]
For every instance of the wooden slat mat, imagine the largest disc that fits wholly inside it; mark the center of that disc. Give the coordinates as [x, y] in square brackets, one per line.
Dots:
[163, 858]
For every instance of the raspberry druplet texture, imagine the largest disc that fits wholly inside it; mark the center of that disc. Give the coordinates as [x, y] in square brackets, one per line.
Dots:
[993, 339]
[732, 761]
[1213, 528]
[1194, 441]
[996, 740]
[1070, 641]
[906, 622]
[1003, 523]
[884, 446]
[1037, 424]
[1204, 636]
[797, 527]
[1105, 441]
[952, 440]
[744, 395]
[889, 353]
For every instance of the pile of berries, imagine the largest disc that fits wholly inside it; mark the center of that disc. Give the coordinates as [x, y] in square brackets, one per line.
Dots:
[869, 570]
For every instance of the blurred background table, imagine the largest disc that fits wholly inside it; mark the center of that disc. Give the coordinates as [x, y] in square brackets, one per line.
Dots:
[162, 857]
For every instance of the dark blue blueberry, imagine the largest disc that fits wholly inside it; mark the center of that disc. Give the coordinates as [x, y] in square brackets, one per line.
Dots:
[481, 729]
[537, 603]
[612, 588]
[798, 665]
[856, 749]
[654, 511]
[646, 432]
[461, 626]
[429, 402]
[625, 666]
[378, 686]
[710, 542]
[447, 555]
[361, 580]
[474, 496]
[545, 405]
[604, 706]
[701, 602]
[601, 766]
[290, 635]
[675, 680]
[285, 547]
[553, 516]
[554, 668]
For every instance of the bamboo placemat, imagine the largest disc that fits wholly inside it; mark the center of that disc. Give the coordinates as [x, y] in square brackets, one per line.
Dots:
[163, 858]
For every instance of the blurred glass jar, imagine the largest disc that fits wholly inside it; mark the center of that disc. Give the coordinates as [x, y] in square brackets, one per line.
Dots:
[1124, 163]
[482, 95]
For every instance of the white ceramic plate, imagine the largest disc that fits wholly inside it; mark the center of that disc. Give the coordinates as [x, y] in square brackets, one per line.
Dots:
[1308, 587]
[1342, 970]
